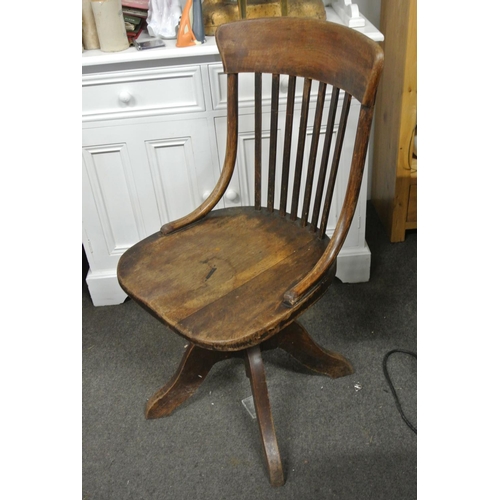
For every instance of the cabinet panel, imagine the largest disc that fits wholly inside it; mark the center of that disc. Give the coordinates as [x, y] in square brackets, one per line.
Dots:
[112, 201]
[172, 166]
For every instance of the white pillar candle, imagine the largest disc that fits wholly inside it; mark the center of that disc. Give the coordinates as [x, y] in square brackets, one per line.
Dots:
[110, 25]
[90, 38]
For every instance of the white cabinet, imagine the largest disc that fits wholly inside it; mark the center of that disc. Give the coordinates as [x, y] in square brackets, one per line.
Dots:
[154, 128]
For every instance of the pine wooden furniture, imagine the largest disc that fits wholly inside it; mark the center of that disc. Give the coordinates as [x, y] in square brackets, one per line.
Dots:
[394, 175]
[233, 281]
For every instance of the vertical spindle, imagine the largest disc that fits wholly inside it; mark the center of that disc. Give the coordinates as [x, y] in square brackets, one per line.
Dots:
[335, 163]
[290, 104]
[324, 159]
[258, 140]
[273, 142]
[306, 94]
[313, 152]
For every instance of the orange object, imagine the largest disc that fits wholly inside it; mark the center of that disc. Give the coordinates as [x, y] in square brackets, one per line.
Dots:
[185, 36]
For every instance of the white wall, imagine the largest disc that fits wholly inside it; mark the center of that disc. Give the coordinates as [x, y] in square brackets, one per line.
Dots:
[370, 9]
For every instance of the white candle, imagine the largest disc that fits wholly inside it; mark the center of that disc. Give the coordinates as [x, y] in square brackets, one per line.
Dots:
[90, 38]
[110, 25]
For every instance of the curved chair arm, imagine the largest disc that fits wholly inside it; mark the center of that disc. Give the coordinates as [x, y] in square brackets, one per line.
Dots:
[209, 203]
[227, 170]
[296, 293]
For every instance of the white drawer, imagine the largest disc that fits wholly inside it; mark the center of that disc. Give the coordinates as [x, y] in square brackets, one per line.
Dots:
[142, 93]
[246, 88]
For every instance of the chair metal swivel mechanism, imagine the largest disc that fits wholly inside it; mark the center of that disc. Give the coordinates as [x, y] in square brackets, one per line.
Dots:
[233, 281]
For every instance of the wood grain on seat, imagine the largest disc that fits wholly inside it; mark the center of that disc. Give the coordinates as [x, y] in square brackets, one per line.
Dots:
[220, 282]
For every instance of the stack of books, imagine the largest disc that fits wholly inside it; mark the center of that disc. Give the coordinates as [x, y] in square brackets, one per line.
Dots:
[135, 13]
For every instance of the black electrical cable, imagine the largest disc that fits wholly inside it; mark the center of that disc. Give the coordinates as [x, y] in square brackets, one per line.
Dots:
[396, 399]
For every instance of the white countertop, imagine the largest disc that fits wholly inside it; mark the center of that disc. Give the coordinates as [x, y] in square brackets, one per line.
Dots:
[170, 51]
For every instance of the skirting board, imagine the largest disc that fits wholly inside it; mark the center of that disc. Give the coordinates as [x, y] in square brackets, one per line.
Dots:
[352, 267]
[104, 289]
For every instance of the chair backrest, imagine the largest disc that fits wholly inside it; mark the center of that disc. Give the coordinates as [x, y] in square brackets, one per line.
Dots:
[343, 62]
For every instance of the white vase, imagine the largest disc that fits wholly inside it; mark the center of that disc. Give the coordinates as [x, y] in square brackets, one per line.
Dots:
[163, 18]
[110, 25]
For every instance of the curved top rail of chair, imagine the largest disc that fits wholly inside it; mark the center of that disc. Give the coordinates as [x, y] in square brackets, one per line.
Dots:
[243, 44]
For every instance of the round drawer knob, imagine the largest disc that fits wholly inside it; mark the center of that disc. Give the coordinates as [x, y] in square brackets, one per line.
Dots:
[125, 96]
[206, 194]
[231, 195]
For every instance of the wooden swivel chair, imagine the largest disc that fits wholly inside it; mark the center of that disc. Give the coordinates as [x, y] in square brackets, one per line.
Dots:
[233, 281]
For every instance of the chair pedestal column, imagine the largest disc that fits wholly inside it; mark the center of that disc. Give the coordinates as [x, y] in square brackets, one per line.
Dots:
[257, 376]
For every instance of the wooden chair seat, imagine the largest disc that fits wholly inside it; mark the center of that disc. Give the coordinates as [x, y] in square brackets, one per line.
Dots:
[220, 282]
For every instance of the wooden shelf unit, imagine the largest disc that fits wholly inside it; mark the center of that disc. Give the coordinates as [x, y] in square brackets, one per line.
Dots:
[394, 175]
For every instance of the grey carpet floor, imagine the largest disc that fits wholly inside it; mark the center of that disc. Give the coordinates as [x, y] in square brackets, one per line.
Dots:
[339, 439]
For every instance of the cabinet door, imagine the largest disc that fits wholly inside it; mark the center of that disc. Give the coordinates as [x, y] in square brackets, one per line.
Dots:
[138, 176]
